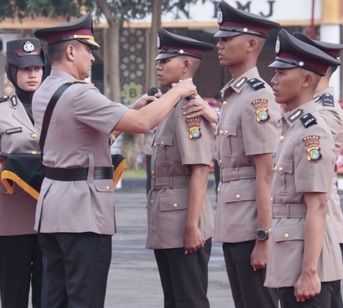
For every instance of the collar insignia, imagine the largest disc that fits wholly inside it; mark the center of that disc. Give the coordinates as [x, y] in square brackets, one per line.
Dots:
[295, 115]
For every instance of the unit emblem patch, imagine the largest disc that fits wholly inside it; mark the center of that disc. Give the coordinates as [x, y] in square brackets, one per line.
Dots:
[312, 145]
[194, 127]
[261, 110]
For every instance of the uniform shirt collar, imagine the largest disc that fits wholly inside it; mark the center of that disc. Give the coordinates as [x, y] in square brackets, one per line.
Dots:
[238, 84]
[62, 74]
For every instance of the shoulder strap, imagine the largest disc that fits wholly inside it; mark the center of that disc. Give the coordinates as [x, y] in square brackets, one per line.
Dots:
[48, 112]
[256, 83]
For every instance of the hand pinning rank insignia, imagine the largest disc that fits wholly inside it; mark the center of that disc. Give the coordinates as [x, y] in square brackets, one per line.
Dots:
[312, 143]
[194, 126]
[261, 106]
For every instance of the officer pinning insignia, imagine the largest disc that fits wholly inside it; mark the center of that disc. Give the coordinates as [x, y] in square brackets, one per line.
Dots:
[233, 22]
[256, 83]
[327, 100]
[194, 127]
[172, 45]
[295, 115]
[261, 109]
[312, 145]
[308, 120]
[240, 82]
[292, 52]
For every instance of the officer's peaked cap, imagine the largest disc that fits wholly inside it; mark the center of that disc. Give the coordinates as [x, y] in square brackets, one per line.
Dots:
[292, 52]
[331, 49]
[80, 29]
[25, 52]
[233, 22]
[172, 45]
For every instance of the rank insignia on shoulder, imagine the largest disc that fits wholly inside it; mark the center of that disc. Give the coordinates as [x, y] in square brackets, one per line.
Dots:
[256, 83]
[312, 143]
[194, 126]
[261, 109]
[308, 119]
[4, 99]
[327, 100]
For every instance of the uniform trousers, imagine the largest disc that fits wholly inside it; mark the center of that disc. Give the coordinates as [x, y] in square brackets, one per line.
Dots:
[184, 278]
[322, 300]
[336, 300]
[20, 267]
[246, 285]
[75, 269]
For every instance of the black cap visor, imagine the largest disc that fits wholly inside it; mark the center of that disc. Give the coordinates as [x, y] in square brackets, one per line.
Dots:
[281, 64]
[162, 56]
[224, 33]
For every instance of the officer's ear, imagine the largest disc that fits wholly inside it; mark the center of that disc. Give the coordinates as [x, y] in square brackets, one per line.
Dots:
[252, 42]
[70, 52]
[186, 65]
[310, 80]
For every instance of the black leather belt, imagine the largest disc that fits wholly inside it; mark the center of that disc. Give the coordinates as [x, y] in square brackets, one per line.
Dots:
[78, 174]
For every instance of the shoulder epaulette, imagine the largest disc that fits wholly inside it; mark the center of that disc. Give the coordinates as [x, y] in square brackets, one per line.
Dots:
[308, 119]
[327, 100]
[256, 83]
[4, 99]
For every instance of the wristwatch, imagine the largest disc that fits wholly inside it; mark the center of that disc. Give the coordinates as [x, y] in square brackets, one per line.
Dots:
[261, 234]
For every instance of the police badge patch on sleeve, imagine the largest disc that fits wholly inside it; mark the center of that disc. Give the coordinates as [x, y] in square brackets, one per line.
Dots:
[261, 107]
[194, 126]
[312, 143]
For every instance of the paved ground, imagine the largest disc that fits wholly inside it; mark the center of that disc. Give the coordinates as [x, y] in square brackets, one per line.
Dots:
[133, 278]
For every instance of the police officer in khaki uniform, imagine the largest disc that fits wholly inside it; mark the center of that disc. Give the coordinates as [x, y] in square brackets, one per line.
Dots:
[75, 210]
[20, 255]
[180, 219]
[332, 112]
[304, 254]
[246, 138]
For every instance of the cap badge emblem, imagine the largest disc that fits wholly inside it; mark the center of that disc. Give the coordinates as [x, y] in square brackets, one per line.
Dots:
[28, 47]
[219, 16]
[158, 42]
[277, 45]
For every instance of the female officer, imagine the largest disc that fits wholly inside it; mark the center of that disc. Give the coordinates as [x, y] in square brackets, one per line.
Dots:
[20, 255]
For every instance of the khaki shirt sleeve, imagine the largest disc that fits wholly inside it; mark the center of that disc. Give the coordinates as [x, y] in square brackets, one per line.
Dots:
[259, 124]
[195, 140]
[315, 159]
